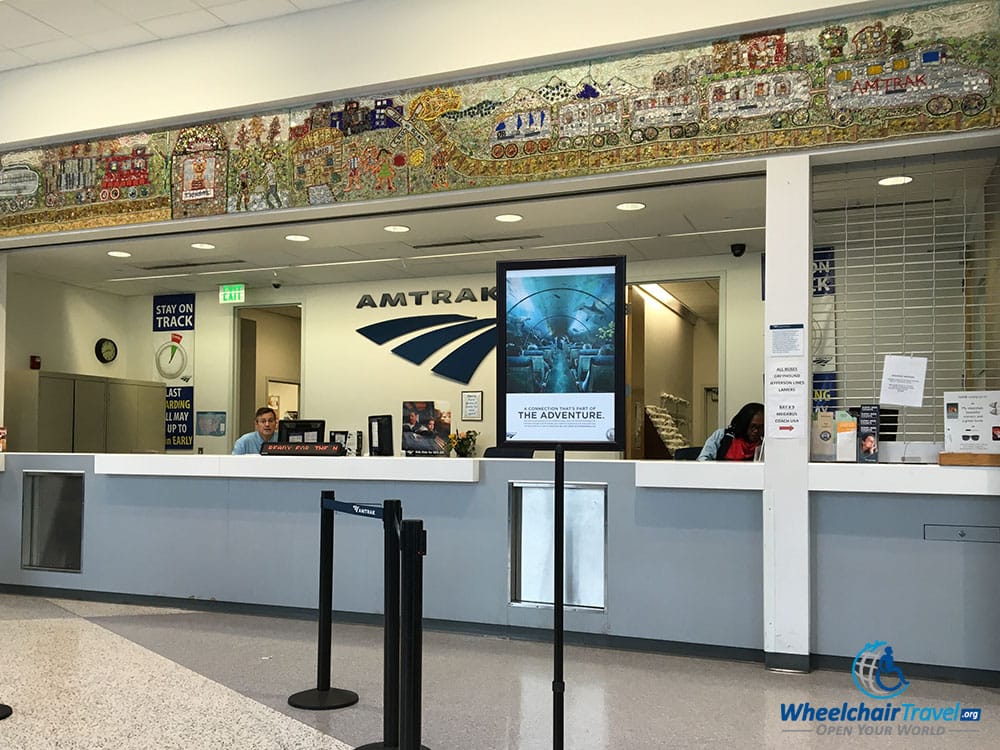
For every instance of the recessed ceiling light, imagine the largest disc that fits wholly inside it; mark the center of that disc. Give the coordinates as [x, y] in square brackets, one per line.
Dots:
[119, 254]
[509, 217]
[296, 238]
[630, 206]
[203, 246]
[396, 228]
[901, 179]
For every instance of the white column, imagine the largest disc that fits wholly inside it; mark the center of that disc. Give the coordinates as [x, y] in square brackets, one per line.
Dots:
[788, 273]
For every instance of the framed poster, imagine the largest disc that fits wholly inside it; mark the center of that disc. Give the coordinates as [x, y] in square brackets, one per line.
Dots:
[472, 406]
[561, 354]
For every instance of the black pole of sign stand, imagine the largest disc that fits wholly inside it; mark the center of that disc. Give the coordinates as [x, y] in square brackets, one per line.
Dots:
[323, 697]
[392, 519]
[414, 546]
[5, 711]
[558, 686]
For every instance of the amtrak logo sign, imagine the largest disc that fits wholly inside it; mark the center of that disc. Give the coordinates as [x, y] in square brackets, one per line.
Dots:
[435, 332]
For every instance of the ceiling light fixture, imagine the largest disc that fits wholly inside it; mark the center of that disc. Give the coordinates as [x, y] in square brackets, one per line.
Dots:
[346, 262]
[241, 270]
[900, 179]
[594, 242]
[658, 293]
[509, 218]
[296, 238]
[150, 278]
[630, 206]
[203, 246]
[396, 228]
[119, 254]
[715, 231]
[470, 252]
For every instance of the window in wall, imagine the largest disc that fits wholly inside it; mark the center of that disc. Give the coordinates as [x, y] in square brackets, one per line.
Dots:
[907, 268]
[531, 553]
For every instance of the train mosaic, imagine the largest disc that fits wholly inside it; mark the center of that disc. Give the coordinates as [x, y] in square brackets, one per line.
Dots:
[917, 72]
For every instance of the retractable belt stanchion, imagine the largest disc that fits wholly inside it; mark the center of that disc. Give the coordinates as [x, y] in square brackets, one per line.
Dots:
[392, 518]
[5, 711]
[558, 685]
[323, 697]
[413, 546]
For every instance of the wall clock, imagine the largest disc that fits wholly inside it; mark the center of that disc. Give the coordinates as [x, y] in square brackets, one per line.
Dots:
[106, 350]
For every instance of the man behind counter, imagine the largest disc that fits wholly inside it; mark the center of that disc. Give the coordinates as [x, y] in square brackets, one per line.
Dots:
[265, 423]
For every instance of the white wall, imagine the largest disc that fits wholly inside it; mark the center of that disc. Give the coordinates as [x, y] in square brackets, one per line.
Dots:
[365, 45]
[669, 353]
[345, 377]
[705, 375]
[61, 323]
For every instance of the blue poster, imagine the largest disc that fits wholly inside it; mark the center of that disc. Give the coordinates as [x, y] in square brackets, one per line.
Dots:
[824, 391]
[179, 418]
[173, 312]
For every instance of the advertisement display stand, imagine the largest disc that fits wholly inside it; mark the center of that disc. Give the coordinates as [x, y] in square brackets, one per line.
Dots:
[561, 384]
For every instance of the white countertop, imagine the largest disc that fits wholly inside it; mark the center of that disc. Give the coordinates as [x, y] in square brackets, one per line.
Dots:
[368, 468]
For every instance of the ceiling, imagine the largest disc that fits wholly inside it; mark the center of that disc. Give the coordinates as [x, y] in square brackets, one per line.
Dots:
[680, 220]
[42, 31]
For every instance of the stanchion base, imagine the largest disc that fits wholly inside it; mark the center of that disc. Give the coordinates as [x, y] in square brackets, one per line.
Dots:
[381, 746]
[5, 711]
[322, 700]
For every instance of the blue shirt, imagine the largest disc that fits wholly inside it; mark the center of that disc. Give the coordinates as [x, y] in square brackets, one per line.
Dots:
[251, 443]
[711, 447]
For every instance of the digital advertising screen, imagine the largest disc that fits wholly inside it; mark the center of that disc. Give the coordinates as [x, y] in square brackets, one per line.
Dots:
[560, 353]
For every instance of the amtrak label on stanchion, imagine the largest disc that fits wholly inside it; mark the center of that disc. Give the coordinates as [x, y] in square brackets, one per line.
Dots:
[354, 509]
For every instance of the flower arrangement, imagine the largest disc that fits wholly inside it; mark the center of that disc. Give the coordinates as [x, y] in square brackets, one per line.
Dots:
[463, 443]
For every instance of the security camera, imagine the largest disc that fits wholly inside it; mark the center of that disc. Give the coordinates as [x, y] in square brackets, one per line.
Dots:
[276, 284]
[737, 249]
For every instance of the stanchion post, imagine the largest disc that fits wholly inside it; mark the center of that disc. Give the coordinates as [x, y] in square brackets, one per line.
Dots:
[323, 696]
[558, 517]
[392, 518]
[414, 547]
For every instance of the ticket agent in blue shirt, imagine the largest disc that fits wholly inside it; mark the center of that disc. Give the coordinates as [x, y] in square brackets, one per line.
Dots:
[265, 431]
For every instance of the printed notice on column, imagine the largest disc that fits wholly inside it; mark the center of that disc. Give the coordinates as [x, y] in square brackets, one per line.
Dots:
[787, 399]
[788, 340]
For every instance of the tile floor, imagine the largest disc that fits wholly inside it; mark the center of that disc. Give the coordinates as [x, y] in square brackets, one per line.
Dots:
[90, 675]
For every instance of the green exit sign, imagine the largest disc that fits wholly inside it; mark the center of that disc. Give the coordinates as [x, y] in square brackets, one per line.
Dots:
[229, 293]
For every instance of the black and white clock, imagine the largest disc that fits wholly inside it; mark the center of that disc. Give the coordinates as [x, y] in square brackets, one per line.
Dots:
[106, 351]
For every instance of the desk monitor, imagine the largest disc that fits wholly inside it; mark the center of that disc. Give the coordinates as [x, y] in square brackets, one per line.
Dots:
[301, 430]
[380, 435]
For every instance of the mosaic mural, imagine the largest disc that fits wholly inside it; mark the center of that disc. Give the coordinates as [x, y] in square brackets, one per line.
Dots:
[925, 71]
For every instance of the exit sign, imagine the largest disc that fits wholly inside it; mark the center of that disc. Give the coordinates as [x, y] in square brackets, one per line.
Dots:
[229, 293]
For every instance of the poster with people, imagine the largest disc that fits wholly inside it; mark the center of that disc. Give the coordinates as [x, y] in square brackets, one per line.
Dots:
[426, 426]
[561, 365]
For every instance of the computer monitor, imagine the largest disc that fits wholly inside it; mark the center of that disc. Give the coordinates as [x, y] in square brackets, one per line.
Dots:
[301, 430]
[380, 435]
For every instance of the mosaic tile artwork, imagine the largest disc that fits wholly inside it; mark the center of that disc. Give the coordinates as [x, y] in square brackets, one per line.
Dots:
[917, 72]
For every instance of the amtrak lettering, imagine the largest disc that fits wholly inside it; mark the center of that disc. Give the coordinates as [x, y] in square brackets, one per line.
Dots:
[437, 297]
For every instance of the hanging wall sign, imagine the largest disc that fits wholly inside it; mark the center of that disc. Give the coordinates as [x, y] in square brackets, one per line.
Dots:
[560, 363]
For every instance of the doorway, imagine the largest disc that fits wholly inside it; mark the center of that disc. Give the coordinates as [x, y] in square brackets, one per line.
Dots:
[672, 360]
[269, 363]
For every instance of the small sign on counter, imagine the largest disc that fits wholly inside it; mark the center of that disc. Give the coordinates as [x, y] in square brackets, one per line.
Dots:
[971, 422]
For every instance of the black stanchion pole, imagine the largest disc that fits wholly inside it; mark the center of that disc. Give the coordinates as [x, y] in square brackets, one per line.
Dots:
[5, 711]
[324, 697]
[392, 518]
[558, 686]
[414, 547]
